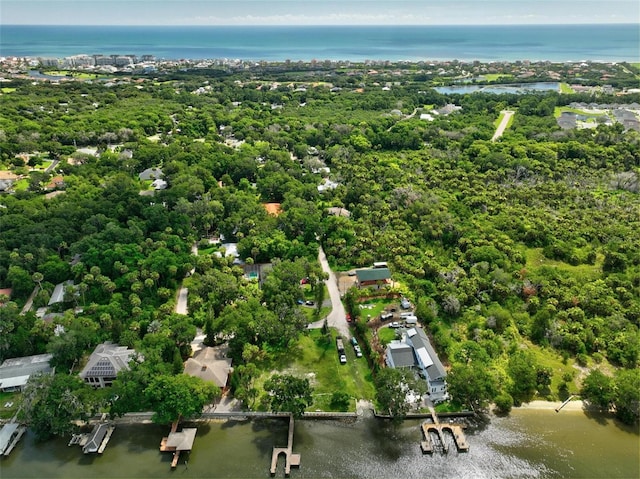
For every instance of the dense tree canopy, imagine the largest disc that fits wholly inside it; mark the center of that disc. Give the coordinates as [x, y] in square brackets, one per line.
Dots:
[530, 241]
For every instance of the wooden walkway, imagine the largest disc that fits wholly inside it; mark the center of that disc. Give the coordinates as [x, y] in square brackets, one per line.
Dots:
[456, 430]
[291, 459]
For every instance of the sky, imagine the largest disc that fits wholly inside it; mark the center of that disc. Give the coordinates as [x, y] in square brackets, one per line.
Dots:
[316, 12]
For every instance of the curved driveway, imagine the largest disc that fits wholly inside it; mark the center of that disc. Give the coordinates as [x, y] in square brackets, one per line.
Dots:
[337, 318]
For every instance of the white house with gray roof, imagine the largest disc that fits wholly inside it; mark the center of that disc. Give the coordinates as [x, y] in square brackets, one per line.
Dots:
[414, 351]
[104, 364]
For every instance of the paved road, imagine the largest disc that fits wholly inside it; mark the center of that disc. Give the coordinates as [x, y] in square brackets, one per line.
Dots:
[503, 124]
[337, 318]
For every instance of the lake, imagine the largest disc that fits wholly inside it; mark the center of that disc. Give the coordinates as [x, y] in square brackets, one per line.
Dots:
[497, 89]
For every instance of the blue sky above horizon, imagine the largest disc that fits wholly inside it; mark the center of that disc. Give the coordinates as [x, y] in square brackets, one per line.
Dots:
[317, 12]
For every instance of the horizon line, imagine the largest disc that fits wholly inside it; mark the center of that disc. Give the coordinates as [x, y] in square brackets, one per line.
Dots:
[315, 24]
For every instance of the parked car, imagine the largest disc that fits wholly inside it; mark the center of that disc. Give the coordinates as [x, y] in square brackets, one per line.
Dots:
[385, 316]
[349, 318]
[354, 341]
[343, 359]
[395, 324]
[358, 351]
[404, 303]
[351, 273]
[300, 301]
[309, 303]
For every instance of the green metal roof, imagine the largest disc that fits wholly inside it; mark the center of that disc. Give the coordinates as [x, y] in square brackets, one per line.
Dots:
[373, 274]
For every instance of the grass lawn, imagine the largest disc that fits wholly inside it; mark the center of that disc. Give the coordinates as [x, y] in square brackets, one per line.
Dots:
[582, 272]
[43, 166]
[8, 398]
[310, 312]
[497, 76]
[552, 359]
[21, 185]
[316, 357]
[8, 90]
[559, 109]
[210, 250]
[386, 335]
[74, 74]
[374, 307]
[566, 88]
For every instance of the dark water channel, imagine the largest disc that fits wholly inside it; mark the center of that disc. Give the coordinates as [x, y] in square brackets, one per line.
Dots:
[527, 444]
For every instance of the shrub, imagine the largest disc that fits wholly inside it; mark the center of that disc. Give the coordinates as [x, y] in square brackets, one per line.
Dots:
[503, 402]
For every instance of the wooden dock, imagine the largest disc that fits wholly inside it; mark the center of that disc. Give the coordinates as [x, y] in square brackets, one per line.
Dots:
[291, 459]
[456, 430]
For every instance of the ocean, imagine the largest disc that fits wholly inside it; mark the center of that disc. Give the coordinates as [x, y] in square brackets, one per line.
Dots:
[557, 43]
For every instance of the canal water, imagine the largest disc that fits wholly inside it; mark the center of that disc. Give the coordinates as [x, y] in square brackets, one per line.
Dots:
[526, 444]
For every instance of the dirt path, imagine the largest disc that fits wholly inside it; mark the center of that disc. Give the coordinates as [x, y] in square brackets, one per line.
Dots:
[503, 124]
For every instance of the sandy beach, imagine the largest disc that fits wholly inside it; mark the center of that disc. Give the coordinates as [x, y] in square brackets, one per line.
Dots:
[576, 405]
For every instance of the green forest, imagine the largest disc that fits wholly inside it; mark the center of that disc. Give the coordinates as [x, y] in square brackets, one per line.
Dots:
[521, 255]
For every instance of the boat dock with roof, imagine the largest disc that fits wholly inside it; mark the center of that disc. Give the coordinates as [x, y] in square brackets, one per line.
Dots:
[178, 441]
[96, 440]
[10, 435]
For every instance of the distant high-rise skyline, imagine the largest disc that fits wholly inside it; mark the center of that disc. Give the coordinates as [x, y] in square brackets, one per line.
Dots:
[317, 12]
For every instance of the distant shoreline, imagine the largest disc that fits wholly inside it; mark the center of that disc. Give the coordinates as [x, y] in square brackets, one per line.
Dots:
[402, 43]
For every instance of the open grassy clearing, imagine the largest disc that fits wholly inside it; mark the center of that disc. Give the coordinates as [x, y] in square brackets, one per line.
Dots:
[550, 358]
[566, 88]
[8, 90]
[74, 74]
[386, 335]
[21, 185]
[560, 109]
[43, 166]
[582, 272]
[9, 404]
[497, 76]
[315, 357]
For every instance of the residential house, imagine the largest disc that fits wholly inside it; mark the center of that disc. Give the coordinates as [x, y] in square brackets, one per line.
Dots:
[55, 183]
[414, 351]
[7, 179]
[210, 364]
[5, 292]
[336, 211]
[58, 292]
[150, 174]
[373, 277]
[159, 184]
[15, 372]
[104, 364]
